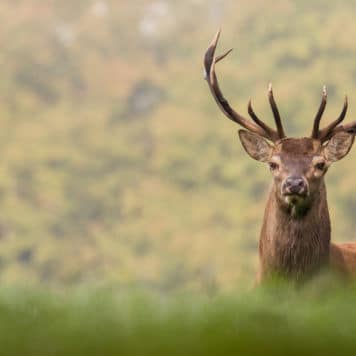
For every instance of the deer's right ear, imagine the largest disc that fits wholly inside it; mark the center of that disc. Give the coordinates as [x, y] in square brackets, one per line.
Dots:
[256, 146]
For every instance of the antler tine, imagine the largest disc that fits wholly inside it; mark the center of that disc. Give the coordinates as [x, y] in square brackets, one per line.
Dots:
[319, 114]
[333, 127]
[259, 122]
[350, 128]
[277, 117]
[209, 64]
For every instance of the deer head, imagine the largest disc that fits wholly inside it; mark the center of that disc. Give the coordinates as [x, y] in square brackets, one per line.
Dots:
[298, 165]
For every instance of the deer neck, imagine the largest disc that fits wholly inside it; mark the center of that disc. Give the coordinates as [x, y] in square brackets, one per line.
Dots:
[295, 245]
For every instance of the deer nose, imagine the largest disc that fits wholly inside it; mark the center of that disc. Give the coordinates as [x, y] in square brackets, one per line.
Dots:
[294, 185]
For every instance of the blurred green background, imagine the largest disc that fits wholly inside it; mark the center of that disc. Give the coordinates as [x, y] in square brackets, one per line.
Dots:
[117, 168]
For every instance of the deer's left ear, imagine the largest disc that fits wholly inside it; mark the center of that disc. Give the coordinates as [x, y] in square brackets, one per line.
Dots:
[338, 146]
[256, 146]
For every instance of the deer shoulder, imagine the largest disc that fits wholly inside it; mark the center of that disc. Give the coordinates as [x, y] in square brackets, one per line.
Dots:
[343, 258]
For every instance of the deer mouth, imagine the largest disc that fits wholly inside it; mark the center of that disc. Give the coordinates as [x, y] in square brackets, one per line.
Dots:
[294, 199]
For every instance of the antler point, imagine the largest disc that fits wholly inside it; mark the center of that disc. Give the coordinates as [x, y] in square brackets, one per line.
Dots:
[217, 35]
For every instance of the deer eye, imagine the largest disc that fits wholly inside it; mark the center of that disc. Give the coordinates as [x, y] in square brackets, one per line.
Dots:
[320, 166]
[273, 166]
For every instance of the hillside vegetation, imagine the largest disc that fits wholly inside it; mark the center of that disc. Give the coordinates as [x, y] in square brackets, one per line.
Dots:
[116, 165]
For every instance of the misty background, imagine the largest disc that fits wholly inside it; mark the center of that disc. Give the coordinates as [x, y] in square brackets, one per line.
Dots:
[117, 167]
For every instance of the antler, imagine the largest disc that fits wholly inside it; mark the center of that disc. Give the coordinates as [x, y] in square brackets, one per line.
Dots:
[275, 111]
[319, 114]
[256, 125]
[330, 130]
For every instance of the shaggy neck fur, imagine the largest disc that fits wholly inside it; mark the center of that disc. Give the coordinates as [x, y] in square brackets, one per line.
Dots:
[292, 245]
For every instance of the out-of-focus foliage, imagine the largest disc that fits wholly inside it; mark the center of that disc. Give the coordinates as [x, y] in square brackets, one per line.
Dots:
[275, 321]
[116, 165]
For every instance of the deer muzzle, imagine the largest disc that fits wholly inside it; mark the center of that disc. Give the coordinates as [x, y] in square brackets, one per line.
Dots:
[295, 186]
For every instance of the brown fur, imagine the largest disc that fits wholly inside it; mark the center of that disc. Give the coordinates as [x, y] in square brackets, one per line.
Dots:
[298, 245]
[294, 247]
[343, 258]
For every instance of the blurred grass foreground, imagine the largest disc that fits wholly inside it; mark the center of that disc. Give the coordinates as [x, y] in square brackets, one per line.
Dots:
[272, 321]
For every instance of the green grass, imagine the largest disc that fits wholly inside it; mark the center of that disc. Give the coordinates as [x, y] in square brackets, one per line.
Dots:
[273, 321]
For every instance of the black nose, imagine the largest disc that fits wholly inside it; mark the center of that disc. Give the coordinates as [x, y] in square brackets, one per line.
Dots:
[295, 185]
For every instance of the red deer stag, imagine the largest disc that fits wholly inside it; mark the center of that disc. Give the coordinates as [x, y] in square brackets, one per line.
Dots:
[295, 236]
